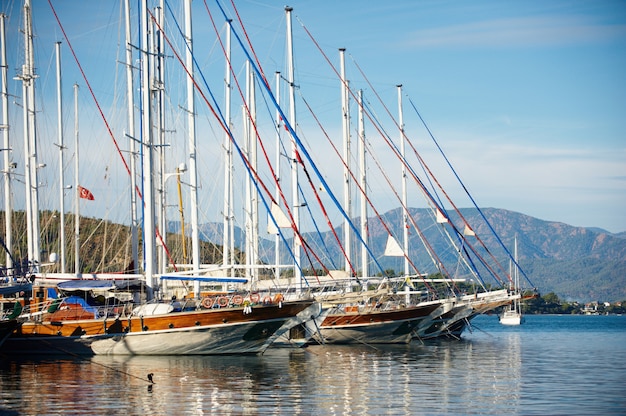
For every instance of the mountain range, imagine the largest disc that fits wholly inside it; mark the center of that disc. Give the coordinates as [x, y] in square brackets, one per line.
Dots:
[577, 263]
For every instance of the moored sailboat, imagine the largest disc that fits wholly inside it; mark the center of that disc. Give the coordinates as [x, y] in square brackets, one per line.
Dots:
[372, 317]
[234, 322]
[226, 324]
[355, 315]
[512, 313]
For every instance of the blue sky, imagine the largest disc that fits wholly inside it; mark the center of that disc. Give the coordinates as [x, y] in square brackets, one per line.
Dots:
[527, 98]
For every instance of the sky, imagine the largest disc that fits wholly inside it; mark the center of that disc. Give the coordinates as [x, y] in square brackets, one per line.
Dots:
[526, 98]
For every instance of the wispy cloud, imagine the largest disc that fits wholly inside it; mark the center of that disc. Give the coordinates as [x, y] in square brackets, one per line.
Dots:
[518, 32]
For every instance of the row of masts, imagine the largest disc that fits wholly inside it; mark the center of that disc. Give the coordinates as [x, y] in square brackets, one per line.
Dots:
[152, 67]
[27, 76]
[148, 153]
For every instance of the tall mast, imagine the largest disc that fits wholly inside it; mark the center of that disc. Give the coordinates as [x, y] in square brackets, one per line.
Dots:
[76, 193]
[405, 208]
[157, 93]
[228, 248]
[146, 150]
[249, 117]
[30, 141]
[254, 162]
[132, 140]
[4, 126]
[193, 167]
[363, 184]
[294, 152]
[61, 164]
[515, 270]
[277, 239]
[347, 197]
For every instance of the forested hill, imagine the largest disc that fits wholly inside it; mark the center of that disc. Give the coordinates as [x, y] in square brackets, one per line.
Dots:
[579, 264]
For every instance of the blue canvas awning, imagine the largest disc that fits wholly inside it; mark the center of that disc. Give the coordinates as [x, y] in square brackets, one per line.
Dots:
[9, 289]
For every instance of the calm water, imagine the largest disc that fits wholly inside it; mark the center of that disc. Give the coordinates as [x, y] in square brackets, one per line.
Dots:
[565, 365]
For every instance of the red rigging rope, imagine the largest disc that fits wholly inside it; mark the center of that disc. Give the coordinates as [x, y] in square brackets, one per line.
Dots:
[358, 185]
[297, 140]
[298, 158]
[211, 108]
[328, 221]
[385, 138]
[401, 158]
[254, 126]
[432, 176]
[351, 173]
[258, 180]
[263, 149]
[256, 59]
[106, 123]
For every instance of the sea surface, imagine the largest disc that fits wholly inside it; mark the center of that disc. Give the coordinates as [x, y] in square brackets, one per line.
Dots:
[550, 365]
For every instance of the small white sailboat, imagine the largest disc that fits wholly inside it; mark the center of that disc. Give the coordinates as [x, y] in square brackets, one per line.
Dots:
[513, 314]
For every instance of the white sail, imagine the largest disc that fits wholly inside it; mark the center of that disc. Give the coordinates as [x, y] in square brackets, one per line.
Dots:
[468, 231]
[393, 248]
[281, 220]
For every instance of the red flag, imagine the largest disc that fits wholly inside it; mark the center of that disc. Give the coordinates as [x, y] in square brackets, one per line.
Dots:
[85, 193]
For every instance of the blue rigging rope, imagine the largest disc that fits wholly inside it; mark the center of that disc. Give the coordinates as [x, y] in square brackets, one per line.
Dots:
[237, 147]
[469, 195]
[300, 144]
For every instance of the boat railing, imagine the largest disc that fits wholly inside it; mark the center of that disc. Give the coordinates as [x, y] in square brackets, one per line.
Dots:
[59, 309]
[243, 299]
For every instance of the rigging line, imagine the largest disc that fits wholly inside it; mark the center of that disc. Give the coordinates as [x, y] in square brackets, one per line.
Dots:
[297, 139]
[104, 119]
[256, 59]
[283, 198]
[276, 179]
[466, 190]
[358, 185]
[249, 114]
[258, 183]
[83, 358]
[397, 152]
[383, 131]
[431, 251]
[429, 175]
[474, 268]
[306, 154]
[402, 130]
[465, 222]
[385, 138]
[440, 207]
[297, 233]
[257, 135]
[221, 120]
[319, 234]
[319, 201]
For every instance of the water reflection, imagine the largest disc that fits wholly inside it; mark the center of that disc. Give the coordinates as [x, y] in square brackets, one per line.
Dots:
[434, 377]
[538, 369]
